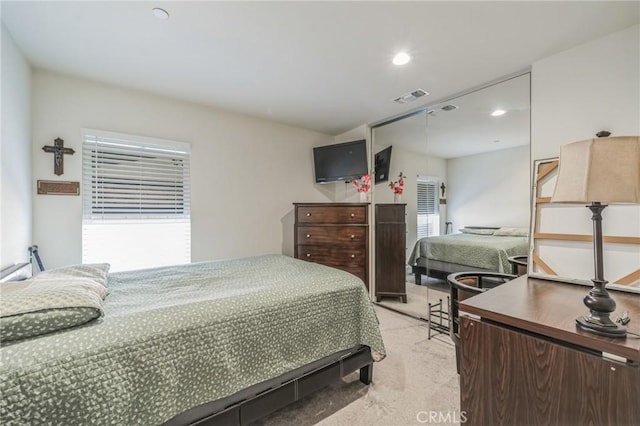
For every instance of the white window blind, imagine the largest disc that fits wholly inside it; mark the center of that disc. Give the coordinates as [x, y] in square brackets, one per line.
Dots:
[136, 201]
[428, 207]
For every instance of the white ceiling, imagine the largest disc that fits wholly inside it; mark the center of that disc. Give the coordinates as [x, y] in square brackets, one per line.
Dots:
[318, 65]
[470, 128]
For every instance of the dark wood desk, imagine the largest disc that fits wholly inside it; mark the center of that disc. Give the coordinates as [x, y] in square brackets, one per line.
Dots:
[524, 362]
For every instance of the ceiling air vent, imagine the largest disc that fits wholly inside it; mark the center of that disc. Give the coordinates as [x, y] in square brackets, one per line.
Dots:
[410, 97]
[449, 107]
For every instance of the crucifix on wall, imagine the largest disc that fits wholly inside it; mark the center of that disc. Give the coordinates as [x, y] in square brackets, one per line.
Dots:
[58, 151]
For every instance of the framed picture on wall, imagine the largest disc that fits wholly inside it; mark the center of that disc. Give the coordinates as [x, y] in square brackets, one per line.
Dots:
[562, 237]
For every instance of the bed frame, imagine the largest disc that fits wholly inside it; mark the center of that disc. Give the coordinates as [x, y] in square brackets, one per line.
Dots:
[254, 402]
[440, 269]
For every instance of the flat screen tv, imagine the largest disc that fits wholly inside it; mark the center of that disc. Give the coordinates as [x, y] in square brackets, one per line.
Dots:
[340, 162]
[382, 163]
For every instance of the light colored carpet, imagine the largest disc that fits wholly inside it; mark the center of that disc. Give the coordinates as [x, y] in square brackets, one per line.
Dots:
[418, 376]
[418, 297]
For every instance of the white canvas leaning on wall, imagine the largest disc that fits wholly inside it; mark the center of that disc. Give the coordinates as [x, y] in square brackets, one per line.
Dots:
[561, 237]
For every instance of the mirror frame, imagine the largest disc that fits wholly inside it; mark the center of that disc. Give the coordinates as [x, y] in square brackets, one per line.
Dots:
[544, 173]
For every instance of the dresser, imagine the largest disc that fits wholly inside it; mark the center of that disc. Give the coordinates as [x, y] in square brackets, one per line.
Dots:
[524, 361]
[391, 241]
[334, 234]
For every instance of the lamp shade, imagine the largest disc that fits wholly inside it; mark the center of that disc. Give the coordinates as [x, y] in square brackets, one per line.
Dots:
[605, 170]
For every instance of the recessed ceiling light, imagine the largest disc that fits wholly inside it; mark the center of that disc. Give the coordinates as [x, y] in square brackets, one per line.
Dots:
[498, 112]
[160, 13]
[401, 58]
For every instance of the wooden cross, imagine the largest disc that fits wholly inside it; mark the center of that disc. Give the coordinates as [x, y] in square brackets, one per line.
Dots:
[58, 151]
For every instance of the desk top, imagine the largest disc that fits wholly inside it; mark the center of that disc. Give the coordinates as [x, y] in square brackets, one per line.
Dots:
[550, 308]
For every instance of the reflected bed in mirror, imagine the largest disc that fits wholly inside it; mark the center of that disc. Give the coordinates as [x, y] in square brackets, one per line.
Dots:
[473, 249]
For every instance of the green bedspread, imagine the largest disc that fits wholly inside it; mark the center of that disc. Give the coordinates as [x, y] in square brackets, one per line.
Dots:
[174, 338]
[480, 251]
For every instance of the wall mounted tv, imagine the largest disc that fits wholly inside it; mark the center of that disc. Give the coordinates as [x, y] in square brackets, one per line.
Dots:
[382, 163]
[340, 162]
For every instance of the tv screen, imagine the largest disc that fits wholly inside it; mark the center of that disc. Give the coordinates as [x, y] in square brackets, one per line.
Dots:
[382, 163]
[340, 162]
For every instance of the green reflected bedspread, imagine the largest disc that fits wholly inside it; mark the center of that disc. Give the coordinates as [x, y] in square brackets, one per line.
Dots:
[481, 251]
[173, 338]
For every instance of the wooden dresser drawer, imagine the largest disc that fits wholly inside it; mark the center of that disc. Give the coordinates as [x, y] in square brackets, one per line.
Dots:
[347, 235]
[390, 213]
[358, 271]
[334, 234]
[333, 214]
[332, 256]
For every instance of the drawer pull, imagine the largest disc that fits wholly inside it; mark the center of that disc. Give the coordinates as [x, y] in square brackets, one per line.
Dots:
[352, 237]
[353, 215]
[308, 236]
[308, 254]
[353, 256]
[308, 214]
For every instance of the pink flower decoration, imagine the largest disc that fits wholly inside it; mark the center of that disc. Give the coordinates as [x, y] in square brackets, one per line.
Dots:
[363, 184]
[396, 186]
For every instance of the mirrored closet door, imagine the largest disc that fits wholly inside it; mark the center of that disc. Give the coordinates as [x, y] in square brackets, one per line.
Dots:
[465, 164]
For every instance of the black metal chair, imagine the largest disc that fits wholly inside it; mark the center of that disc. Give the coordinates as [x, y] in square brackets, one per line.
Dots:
[519, 264]
[464, 285]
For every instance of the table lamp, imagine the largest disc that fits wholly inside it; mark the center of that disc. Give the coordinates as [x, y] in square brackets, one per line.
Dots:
[599, 171]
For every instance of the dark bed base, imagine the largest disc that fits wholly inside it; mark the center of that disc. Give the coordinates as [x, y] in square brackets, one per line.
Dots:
[264, 398]
[419, 271]
[442, 270]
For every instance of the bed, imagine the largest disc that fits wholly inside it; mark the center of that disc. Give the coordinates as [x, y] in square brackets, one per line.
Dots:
[226, 341]
[473, 249]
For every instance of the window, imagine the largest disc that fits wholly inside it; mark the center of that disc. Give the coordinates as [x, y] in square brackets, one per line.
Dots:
[136, 201]
[428, 207]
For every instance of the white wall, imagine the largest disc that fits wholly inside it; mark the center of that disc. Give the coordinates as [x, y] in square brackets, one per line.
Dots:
[412, 165]
[490, 189]
[578, 92]
[245, 172]
[575, 94]
[15, 155]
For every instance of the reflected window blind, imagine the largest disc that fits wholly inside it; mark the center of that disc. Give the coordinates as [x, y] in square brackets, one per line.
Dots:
[136, 201]
[428, 223]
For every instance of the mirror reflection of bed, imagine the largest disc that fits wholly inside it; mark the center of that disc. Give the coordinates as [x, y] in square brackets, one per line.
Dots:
[467, 169]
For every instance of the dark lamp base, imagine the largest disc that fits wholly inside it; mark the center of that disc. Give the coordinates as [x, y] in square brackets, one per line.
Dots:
[609, 329]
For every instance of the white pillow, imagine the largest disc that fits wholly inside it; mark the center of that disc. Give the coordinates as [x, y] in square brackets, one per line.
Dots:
[512, 232]
[477, 231]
